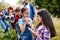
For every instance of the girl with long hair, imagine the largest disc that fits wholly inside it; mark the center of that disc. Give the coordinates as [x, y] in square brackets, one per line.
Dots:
[45, 28]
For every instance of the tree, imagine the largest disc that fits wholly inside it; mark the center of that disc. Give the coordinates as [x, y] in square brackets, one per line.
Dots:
[52, 5]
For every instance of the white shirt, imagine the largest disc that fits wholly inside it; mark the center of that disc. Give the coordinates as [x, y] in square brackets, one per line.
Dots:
[27, 6]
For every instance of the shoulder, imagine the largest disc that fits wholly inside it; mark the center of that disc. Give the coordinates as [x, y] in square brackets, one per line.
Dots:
[31, 4]
[45, 29]
[20, 19]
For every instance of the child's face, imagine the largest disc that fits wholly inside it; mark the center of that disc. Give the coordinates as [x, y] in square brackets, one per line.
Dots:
[10, 10]
[18, 13]
[26, 13]
[39, 18]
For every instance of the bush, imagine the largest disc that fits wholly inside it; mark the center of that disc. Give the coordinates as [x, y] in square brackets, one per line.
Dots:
[10, 35]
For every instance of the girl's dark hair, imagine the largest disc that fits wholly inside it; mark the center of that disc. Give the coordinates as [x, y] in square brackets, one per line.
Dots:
[47, 21]
[23, 9]
[18, 9]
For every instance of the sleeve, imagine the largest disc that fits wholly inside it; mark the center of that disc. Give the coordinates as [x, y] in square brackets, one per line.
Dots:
[35, 11]
[33, 8]
[46, 35]
[20, 21]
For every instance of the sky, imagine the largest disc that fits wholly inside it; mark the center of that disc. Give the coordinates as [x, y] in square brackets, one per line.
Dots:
[12, 2]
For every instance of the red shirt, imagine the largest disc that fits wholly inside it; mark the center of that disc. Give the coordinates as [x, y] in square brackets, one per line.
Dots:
[16, 19]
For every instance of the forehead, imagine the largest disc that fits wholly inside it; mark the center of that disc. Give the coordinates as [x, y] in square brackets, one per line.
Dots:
[27, 10]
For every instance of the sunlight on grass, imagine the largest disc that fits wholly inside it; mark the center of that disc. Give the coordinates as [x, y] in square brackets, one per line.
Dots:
[56, 22]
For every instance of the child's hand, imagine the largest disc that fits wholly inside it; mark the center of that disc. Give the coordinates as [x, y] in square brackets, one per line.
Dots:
[31, 25]
[26, 20]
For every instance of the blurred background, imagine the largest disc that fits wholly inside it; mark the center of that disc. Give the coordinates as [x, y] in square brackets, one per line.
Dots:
[53, 7]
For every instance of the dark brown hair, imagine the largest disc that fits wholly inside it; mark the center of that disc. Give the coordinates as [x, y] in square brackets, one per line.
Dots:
[11, 8]
[17, 9]
[47, 21]
[23, 9]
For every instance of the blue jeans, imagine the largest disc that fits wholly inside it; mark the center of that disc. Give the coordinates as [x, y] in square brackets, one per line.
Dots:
[5, 25]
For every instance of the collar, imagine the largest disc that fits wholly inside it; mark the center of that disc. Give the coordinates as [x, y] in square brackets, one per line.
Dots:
[27, 3]
[40, 27]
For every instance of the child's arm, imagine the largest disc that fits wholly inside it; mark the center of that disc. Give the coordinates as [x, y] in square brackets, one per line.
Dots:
[30, 23]
[22, 27]
[34, 32]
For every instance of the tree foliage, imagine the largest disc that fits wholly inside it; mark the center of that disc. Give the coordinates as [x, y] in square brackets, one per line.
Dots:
[3, 5]
[52, 5]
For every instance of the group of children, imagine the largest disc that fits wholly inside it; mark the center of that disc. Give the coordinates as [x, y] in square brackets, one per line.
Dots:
[23, 24]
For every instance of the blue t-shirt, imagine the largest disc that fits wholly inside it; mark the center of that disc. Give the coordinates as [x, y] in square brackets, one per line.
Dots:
[27, 35]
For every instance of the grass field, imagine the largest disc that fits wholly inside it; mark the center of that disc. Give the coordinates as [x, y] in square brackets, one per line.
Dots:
[56, 22]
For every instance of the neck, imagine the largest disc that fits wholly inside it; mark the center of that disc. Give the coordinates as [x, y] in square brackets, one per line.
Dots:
[42, 24]
[26, 3]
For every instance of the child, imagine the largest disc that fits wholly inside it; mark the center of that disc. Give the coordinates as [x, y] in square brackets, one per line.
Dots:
[4, 23]
[17, 17]
[24, 23]
[11, 16]
[45, 28]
